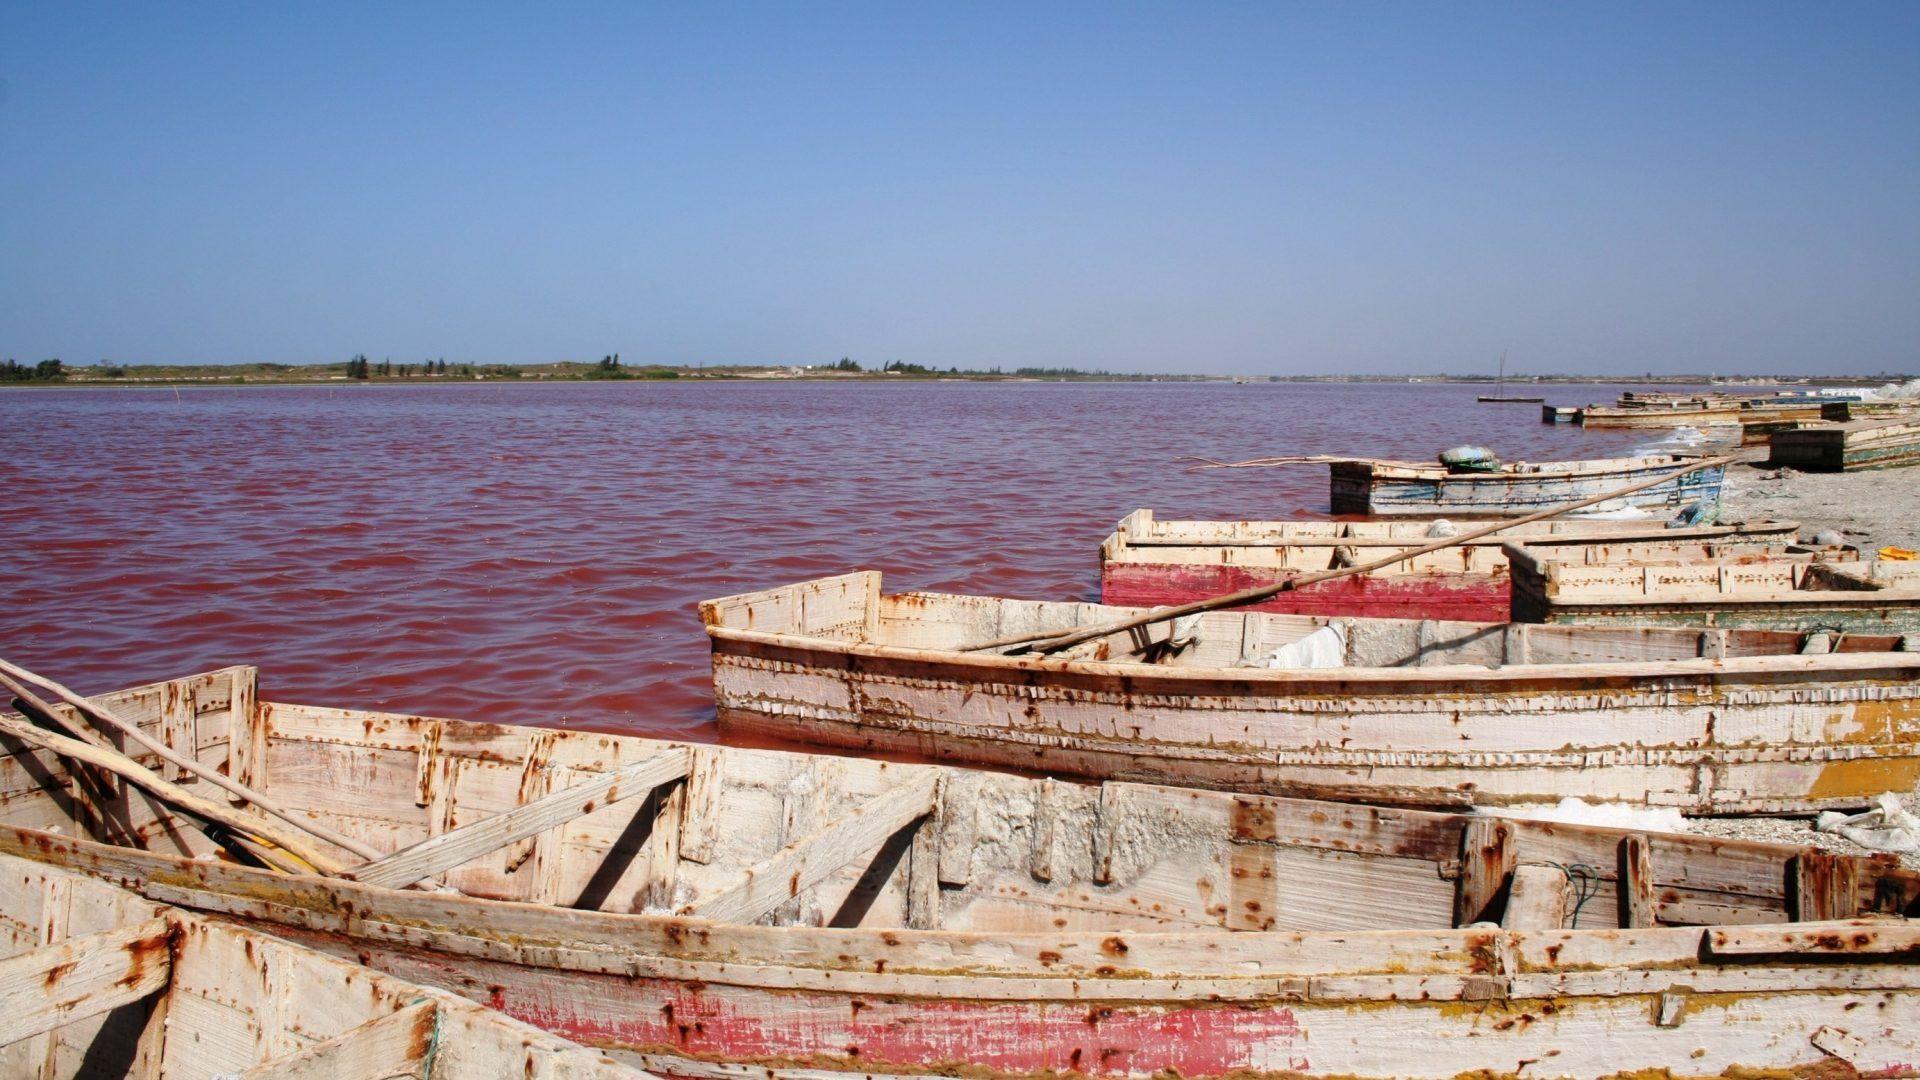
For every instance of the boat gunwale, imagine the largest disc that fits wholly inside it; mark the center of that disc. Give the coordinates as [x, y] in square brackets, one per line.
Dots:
[1091, 965]
[1693, 667]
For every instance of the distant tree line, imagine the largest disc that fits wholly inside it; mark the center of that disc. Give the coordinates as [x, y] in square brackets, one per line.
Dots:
[13, 371]
[361, 368]
[610, 367]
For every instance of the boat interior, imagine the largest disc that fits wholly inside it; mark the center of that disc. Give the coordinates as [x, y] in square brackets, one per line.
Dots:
[585, 820]
[102, 983]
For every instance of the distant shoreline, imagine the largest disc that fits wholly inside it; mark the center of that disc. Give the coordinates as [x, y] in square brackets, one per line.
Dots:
[205, 376]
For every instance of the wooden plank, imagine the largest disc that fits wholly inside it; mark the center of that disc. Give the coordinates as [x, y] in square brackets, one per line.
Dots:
[813, 858]
[1487, 857]
[923, 875]
[179, 731]
[1046, 811]
[1636, 882]
[1514, 645]
[539, 778]
[959, 825]
[458, 846]
[1539, 898]
[700, 818]
[661, 857]
[247, 740]
[1868, 939]
[1106, 821]
[82, 977]
[393, 1046]
[427, 771]
[1822, 886]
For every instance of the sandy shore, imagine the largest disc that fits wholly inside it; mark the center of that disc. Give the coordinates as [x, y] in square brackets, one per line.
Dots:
[1871, 509]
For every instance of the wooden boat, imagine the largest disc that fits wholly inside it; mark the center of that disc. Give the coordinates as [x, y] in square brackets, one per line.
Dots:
[100, 982]
[1849, 411]
[1404, 712]
[1773, 592]
[1407, 488]
[1147, 562]
[1848, 447]
[1500, 395]
[853, 918]
[1661, 415]
[1559, 414]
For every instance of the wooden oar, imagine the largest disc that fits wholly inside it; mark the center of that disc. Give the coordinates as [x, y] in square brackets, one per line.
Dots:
[133, 772]
[10, 672]
[1049, 641]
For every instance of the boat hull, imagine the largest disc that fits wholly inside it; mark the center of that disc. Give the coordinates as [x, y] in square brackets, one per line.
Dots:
[683, 997]
[1849, 447]
[1752, 735]
[1600, 417]
[1363, 488]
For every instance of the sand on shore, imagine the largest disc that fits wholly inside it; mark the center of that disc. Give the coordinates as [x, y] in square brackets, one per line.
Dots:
[1875, 509]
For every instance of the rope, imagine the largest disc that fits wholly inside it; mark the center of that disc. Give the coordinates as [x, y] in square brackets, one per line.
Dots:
[1586, 883]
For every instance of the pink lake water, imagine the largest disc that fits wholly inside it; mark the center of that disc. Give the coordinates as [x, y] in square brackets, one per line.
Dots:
[533, 553]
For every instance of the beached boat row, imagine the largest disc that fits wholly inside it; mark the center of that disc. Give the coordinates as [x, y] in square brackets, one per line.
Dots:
[1748, 416]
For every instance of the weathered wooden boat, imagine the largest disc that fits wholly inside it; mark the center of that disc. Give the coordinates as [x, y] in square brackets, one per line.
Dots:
[99, 982]
[1147, 562]
[1878, 409]
[1772, 591]
[1410, 488]
[1661, 415]
[1403, 712]
[851, 918]
[1559, 414]
[1848, 447]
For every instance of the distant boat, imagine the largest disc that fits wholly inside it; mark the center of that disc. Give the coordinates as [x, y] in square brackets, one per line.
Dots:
[1419, 489]
[1848, 447]
[1797, 589]
[1147, 562]
[1500, 385]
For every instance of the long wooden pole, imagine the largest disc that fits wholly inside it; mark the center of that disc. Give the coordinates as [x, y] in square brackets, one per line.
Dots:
[1048, 642]
[173, 794]
[274, 858]
[10, 672]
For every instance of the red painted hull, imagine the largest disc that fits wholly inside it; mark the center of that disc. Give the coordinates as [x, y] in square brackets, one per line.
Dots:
[860, 1033]
[1467, 597]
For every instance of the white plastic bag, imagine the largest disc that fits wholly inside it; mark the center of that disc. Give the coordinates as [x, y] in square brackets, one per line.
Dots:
[1886, 827]
[1324, 648]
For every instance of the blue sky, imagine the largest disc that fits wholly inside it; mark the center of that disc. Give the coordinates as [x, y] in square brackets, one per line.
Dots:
[1360, 187]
